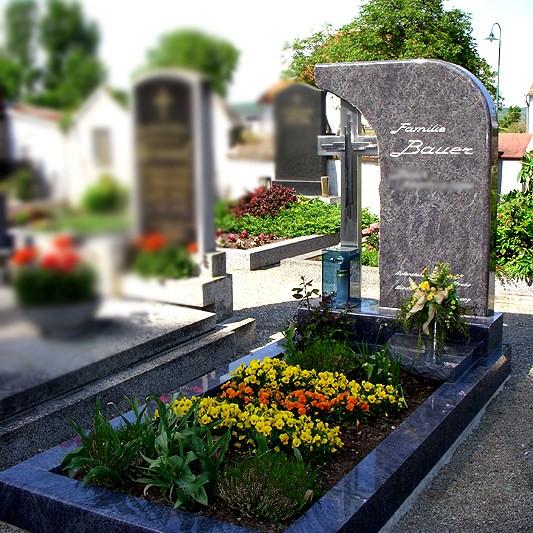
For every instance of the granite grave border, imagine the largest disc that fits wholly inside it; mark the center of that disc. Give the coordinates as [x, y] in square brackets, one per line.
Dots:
[33, 496]
[273, 253]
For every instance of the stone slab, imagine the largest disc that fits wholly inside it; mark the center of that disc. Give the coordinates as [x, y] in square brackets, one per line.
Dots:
[47, 424]
[273, 253]
[436, 128]
[213, 294]
[451, 363]
[33, 496]
[33, 369]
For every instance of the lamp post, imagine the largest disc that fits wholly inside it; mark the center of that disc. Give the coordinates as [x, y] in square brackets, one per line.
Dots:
[491, 38]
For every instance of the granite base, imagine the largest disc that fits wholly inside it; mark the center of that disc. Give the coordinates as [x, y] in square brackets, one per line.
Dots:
[33, 496]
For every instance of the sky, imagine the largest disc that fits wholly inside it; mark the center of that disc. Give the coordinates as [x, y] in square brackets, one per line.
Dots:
[260, 29]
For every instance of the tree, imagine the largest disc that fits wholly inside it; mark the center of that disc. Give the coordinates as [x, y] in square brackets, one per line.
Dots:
[512, 122]
[10, 78]
[72, 70]
[215, 58]
[394, 29]
[21, 18]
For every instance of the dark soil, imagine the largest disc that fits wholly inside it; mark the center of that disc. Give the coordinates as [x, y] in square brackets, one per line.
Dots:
[358, 443]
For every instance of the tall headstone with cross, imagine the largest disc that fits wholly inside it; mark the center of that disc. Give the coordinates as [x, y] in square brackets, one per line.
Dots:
[435, 126]
[173, 138]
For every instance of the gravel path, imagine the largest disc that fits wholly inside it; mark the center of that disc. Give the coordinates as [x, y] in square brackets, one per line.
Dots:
[487, 486]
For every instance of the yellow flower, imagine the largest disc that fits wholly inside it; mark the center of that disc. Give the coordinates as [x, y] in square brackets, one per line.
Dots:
[424, 285]
[430, 296]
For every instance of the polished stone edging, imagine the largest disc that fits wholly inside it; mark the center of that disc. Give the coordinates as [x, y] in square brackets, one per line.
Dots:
[34, 497]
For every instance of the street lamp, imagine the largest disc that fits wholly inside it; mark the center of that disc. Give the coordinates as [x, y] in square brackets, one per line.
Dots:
[491, 38]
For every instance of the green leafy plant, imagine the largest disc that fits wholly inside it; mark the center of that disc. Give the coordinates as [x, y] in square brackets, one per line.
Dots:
[57, 276]
[268, 485]
[377, 364]
[514, 243]
[111, 456]
[369, 258]
[106, 196]
[525, 176]
[306, 217]
[187, 458]
[155, 257]
[24, 185]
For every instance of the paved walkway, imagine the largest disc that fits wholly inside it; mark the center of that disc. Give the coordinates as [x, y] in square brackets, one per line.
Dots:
[487, 486]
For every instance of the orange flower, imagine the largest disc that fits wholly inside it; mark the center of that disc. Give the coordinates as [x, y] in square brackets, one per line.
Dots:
[192, 247]
[24, 256]
[62, 242]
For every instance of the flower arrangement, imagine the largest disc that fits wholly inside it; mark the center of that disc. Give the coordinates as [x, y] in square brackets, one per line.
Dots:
[55, 276]
[434, 308]
[156, 257]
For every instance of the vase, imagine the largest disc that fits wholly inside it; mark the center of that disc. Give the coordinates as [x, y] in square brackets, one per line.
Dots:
[61, 321]
[432, 351]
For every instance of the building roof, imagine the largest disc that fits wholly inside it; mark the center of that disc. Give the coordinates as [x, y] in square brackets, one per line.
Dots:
[514, 145]
[38, 112]
[530, 90]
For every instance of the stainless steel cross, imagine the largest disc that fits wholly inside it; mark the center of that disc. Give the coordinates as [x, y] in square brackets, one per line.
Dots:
[352, 145]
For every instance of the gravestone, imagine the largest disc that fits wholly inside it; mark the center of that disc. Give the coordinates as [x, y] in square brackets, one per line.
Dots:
[172, 114]
[299, 116]
[436, 129]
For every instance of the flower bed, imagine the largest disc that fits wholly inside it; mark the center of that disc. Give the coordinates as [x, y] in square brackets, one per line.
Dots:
[35, 497]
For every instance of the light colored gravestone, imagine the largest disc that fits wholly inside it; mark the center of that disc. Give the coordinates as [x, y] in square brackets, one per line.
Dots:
[435, 125]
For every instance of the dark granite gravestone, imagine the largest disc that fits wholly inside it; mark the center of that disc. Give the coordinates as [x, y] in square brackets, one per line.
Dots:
[299, 116]
[174, 158]
[436, 129]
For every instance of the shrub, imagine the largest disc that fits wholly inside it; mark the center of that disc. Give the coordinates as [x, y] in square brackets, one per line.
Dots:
[514, 243]
[263, 201]
[24, 185]
[307, 217]
[269, 486]
[106, 196]
[369, 258]
[368, 218]
[156, 257]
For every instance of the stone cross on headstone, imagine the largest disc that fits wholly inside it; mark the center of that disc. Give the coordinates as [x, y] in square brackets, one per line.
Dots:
[352, 145]
[436, 128]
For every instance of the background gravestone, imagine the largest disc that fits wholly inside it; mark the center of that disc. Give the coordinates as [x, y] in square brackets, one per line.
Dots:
[299, 116]
[437, 135]
[172, 114]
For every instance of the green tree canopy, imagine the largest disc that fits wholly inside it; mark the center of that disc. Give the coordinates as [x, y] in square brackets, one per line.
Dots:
[21, 18]
[512, 122]
[66, 71]
[213, 57]
[394, 29]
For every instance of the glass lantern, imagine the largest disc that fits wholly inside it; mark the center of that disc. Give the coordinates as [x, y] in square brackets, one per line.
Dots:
[341, 276]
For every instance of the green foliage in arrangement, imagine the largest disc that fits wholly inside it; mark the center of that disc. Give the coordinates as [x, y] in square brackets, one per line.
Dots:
[106, 196]
[270, 486]
[514, 243]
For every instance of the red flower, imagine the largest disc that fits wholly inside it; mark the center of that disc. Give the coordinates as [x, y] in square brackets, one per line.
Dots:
[62, 242]
[68, 261]
[192, 247]
[152, 242]
[50, 261]
[24, 256]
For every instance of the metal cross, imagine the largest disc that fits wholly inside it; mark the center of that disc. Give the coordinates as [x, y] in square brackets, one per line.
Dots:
[352, 145]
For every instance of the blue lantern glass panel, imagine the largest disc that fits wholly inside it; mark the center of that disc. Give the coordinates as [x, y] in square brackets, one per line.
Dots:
[341, 276]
